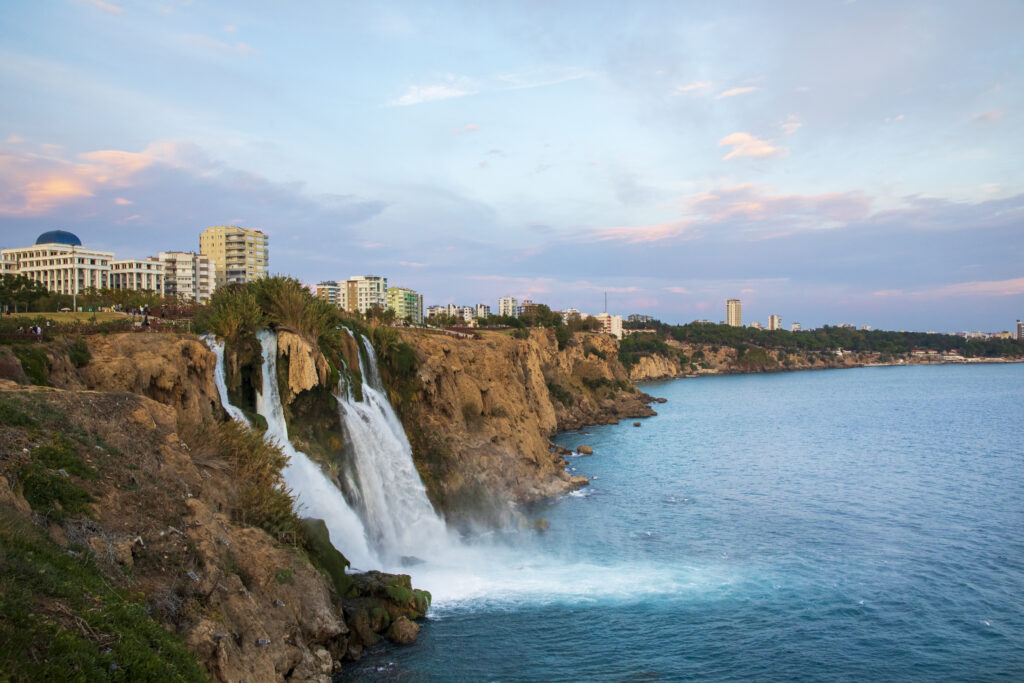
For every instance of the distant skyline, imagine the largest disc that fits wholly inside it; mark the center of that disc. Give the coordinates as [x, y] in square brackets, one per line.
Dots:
[825, 161]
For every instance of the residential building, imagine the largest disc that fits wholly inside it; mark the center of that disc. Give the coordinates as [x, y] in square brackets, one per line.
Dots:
[330, 291]
[775, 322]
[866, 328]
[756, 325]
[406, 303]
[610, 324]
[138, 275]
[60, 262]
[733, 313]
[795, 327]
[239, 255]
[640, 318]
[466, 313]
[527, 307]
[568, 314]
[188, 275]
[434, 311]
[363, 292]
[507, 305]
[482, 311]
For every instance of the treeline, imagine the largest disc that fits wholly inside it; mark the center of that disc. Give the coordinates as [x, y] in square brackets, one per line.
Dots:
[884, 342]
[540, 315]
[21, 293]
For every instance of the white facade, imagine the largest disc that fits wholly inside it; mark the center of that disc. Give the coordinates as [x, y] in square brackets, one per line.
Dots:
[775, 322]
[188, 275]
[138, 275]
[795, 327]
[568, 314]
[482, 311]
[610, 324]
[507, 305]
[363, 292]
[756, 325]
[733, 313]
[62, 268]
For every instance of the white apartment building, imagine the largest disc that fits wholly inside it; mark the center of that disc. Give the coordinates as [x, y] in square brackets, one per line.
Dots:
[434, 311]
[482, 311]
[568, 314]
[507, 305]
[188, 275]
[795, 327]
[756, 325]
[60, 262]
[363, 292]
[138, 275]
[610, 324]
[775, 322]
[733, 313]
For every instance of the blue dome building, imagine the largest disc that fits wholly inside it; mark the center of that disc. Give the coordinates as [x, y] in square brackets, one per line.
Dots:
[59, 237]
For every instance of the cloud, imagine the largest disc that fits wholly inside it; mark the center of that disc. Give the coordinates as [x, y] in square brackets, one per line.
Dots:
[418, 94]
[733, 92]
[985, 288]
[214, 45]
[746, 145]
[412, 264]
[990, 116]
[692, 87]
[645, 233]
[749, 213]
[677, 290]
[105, 6]
[468, 128]
[13, 139]
[791, 125]
[121, 201]
[890, 119]
[452, 86]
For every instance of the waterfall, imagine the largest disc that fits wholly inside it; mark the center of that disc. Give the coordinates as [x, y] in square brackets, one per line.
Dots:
[219, 377]
[399, 518]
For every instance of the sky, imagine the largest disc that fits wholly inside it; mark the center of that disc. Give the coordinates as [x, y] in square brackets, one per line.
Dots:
[826, 161]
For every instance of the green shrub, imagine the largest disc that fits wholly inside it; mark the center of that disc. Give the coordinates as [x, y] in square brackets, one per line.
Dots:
[12, 416]
[284, 576]
[34, 362]
[78, 352]
[560, 393]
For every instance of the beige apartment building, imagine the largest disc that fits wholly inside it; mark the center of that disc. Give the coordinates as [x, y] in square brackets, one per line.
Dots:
[733, 313]
[139, 275]
[188, 275]
[775, 322]
[60, 262]
[363, 292]
[239, 255]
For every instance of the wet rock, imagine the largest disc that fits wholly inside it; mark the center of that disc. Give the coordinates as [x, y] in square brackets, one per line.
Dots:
[403, 631]
[584, 450]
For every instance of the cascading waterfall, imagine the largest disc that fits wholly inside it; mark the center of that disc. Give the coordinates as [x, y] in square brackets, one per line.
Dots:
[219, 377]
[399, 518]
[396, 521]
[315, 495]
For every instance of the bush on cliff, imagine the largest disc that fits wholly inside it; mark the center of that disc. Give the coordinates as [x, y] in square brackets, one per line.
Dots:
[233, 313]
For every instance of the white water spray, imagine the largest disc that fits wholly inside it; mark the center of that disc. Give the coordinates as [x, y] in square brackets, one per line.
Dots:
[315, 495]
[219, 378]
[399, 518]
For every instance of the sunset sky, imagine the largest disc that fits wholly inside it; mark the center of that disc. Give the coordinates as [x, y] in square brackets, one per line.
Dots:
[826, 161]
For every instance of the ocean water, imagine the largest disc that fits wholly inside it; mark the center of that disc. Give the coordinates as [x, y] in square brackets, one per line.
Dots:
[861, 524]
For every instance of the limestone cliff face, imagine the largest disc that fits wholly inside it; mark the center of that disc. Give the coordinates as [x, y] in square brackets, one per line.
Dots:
[307, 367]
[485, 408]
[176, 370]
[655, 367]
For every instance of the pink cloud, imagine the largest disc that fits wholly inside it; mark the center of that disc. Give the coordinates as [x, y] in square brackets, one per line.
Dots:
[646, 233]
[105, 6]
[733, 92]
[692, 87]
[468, 128]
[746, 145]
[677, 290]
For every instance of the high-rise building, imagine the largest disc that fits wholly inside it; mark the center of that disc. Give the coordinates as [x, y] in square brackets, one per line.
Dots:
[507, 305]
[733, 313]
[138, 275]
[60, 262]
[1020, 331]
[795, 327]
[330, 291]
[775, 322]
[363, 292]
[406, 303]
[188, 275]
[482, 311]
[640, 318]
[239, 255]
[610, 324]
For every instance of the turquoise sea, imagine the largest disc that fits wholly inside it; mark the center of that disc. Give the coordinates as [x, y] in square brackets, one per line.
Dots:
[862, 524]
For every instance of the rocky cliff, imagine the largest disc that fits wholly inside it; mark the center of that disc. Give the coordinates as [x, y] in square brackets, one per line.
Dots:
[484, 410]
